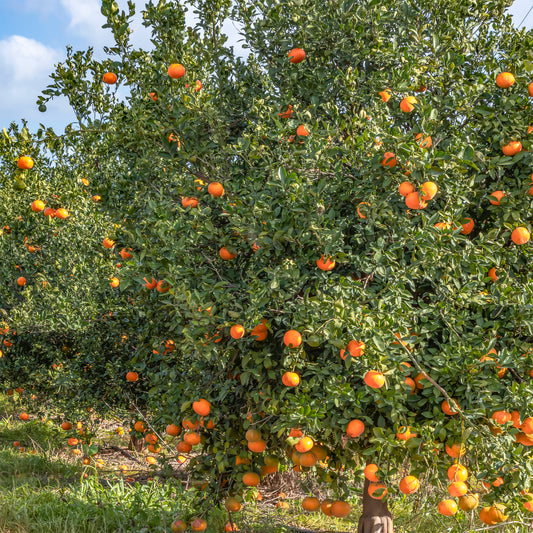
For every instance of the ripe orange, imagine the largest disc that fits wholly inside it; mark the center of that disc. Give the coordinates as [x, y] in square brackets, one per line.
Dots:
[108, 243]
[501, 417]
[389, 160]
[385, 95]
[409, 484]
[512, 148]
[260, 331]
[447, 507]
[455, 450]
[192, 438]
[292, 338]
[308, 459]
[257, 446]
[215, 189]
[354, 348]
[37, 206]
[62, 213]
[374, 379]
[527, 426]
[424, 142]
[359, 210]
[457, 472]
[340, 509]
[237, 331]
[457, 488]
[411, 383]
[232, 505]
[305, 444]
[124, 254]
[49, 212]
[290, 379]
[429, 190]
[408, 104]
[325, 507]
[530, 89]
[191, 202]
[301, 131]
[21, 281]
[251, 479]
[114, 282]
[176, 71]
[110, 78]
[414, 201]
[325, 264]
[201, 407]
[24, 416]
[150, 284]
[173, 430]
[72, 441]
[377, 491]
[150, 438]
[447, 410]
[226, 254]
[310, 504]
[198, 525]
[66, 426]
[404, 433]
[355, 428]
[492, 274]
[406, 188]
[183, 447]
[132, 376]
[296, 55]
[520, 235]
[468, 502]
[370, 472]
[96, 198]
[252, 435]
[496, 197]
[287, 113]
[25, 162]
[504, 80]
[468, 226]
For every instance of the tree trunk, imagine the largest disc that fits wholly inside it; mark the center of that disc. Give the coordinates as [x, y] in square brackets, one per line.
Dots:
[376, 517]
[135, 444]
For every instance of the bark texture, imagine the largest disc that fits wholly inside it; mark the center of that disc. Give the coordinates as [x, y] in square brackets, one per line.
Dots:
[376, 517]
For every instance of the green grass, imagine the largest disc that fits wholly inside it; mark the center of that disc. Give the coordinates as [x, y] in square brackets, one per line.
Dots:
[45, 490]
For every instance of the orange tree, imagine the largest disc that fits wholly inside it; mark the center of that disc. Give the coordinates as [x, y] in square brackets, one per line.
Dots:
[354, 194]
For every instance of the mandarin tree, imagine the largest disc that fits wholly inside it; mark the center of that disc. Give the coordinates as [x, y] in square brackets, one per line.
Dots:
[383, 328]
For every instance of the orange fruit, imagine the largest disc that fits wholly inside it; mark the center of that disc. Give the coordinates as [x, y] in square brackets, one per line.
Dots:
[385, 95]
[287, 113]
[530, 89]
[176, 71]
[49, 212]
[21, 281]
[355, 428]
[374, 379]
[377, 491]
[325, 264]
[409, 484]
[340, 509]
[150, 284]
[389, 160]
[37, 206]
[424, 142]
[215, 189]
[110, 78]
[183, 447]
[114, 282]
[457, 488]
[359, 211]
[496, 197]
[512, 148]
[72, 441]
[132, 376]
[201, 407]
[292, 338]
[301, 131]
[257, 446]
[468, 226]
[251, 479]
[496, 513]
[308, 459]
[354, 348]
[414, 201]
[96, 198]
[411, 383]
[370, 472]
[321, 452]
[24, 416]
[150, 438]
[198, 525]
[429, 190]
[290, 379]
[325, 507]
[192, 438]
[66, 426]
[404, 433]
[173, 430]
[492, 274]
[124, 254]
[226, 254]
[108, 243]
[447, 507]
[520, 235]
[455, 450]
[296, 55]
[62, 213]
[310, 504]
[468, 502]
[252, 435]
[504, 80]
[457, 472]
[484, 516]
[446, 409]
[178, 526]
[501, 417]
[527, 426]
[237, 331]
[406, 188]
[25, 162]
[408, 104]
[191, 202]
[260, 331]
[305, 444]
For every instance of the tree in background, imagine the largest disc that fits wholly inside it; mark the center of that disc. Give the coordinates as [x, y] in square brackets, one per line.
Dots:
[329, 245]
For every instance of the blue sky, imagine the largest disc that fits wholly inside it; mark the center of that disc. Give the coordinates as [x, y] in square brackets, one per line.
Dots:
[35, 33]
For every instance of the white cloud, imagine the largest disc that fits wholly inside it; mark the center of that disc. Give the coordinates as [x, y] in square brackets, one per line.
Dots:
[86, 20]
[26, 65]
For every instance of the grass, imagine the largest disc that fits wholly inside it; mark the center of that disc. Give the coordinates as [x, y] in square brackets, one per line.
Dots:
[45, 490]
